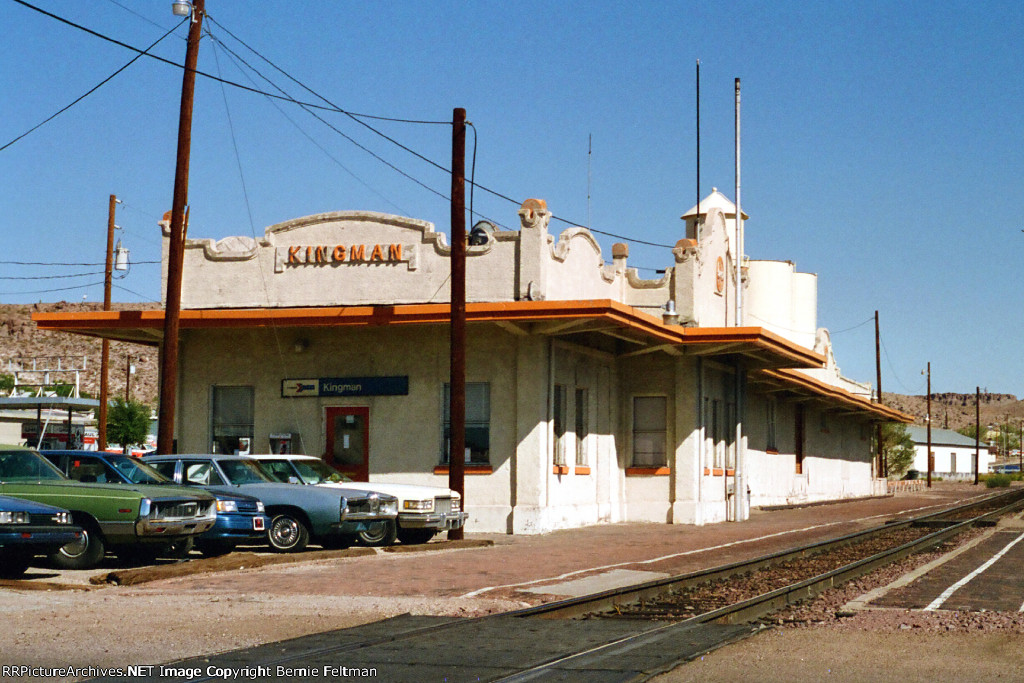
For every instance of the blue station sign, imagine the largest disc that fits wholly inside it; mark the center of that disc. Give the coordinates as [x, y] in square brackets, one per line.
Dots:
[345, 386]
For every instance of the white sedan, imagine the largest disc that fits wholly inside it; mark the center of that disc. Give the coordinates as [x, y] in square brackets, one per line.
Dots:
[422, 510]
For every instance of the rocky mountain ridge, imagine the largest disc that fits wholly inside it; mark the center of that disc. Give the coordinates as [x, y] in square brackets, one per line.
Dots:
[19, 339]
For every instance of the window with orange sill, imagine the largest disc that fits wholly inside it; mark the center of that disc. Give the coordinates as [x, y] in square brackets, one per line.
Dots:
[650, 432]
[478, 428]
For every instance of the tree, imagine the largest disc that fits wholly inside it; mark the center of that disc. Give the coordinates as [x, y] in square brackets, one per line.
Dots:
[898, 448]
[6, 383]
[128, 423]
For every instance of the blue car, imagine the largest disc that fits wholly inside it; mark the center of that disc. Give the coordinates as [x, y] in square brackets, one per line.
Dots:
[241, 519]
[28, 529]
[298, 514]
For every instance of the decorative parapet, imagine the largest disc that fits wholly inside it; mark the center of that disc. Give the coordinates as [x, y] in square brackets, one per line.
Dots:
[534, 214]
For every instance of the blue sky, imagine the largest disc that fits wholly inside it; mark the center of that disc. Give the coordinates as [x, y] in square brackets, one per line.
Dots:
[883, 143]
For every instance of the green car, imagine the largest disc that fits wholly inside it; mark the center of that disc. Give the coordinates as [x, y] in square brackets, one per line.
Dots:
[135, 519]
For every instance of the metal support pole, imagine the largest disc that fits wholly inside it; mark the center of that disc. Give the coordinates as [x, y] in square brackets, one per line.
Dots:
[977, 433]
[457, 377]
[101, 417]
[176, 250]
[883, 467]
[929, 403]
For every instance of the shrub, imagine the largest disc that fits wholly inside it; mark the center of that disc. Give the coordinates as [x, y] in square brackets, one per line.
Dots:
[998, 480]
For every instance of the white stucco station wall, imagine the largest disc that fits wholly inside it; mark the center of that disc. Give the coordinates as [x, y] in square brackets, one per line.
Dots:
[595, 395]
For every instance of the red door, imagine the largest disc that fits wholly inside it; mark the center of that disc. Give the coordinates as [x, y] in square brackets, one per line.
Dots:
[348, 441]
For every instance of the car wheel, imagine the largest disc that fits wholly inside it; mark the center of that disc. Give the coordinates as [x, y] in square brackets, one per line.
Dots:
[13, 564]
[287, 534]
[379, 534]
[415, 536]
[215, 548]
[85, 553]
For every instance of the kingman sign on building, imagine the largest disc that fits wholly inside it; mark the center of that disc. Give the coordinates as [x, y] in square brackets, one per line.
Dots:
[345, 386]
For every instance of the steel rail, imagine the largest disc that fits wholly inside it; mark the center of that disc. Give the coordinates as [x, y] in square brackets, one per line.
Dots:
[746, 610]
[611, 598]
[751, 609]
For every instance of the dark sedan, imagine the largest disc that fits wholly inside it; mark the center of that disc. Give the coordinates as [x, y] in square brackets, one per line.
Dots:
[240, 518]
[28, 529]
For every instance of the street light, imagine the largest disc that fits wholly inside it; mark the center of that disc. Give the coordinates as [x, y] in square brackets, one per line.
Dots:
[181, 8]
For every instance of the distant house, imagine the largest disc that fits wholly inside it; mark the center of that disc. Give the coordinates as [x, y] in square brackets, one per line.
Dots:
[952, 453]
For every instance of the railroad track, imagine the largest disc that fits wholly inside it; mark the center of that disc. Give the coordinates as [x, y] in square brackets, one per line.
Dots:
[624, 634]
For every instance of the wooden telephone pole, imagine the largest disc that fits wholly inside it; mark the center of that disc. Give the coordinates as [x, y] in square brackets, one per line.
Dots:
[457, 377]
[176, 250]
[101, 418]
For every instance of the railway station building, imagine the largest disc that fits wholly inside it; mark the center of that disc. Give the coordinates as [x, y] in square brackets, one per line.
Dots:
[593, 396]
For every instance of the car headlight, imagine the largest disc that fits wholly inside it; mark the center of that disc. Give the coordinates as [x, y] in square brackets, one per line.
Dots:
[13, 517]
[418, 505]
[260, 507]
[389, 507]
[456, 504]
[227, 506]
[62, 518]
[145, 506]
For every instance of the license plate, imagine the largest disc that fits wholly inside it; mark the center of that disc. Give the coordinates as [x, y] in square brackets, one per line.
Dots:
[257, 524]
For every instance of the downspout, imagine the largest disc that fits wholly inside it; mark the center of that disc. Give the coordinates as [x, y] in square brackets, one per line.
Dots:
[701, 443]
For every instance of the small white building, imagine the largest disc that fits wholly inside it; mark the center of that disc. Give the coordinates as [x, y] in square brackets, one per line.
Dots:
[952, 453]
[594, 395]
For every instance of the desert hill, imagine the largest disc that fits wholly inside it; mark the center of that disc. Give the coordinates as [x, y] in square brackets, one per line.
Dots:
[19, 338]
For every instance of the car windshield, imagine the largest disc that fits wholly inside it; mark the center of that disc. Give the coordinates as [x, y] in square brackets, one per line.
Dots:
[242, 472]
[317, 471]
[24, 465]
[136, 471]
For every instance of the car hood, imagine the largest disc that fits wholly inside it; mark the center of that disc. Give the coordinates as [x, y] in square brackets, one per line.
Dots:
[272, 493]
[400, 491]
[10, 504]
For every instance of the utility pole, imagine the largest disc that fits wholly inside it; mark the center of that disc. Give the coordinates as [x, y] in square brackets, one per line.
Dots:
[977, 432]
[883, 468]
[127, 378]
[105, 352]
[929, 403]
[457, 370]
[172, 307]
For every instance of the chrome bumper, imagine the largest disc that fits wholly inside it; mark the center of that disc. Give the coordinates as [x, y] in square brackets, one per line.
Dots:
[443, 521]
[177, 526]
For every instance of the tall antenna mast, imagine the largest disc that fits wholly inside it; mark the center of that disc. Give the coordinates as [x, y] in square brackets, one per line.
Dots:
[738, 321]
[696, 218]
[590, 147]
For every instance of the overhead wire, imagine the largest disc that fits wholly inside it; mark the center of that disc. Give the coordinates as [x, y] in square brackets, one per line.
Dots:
[237, 58]
[56, 289]
[357, 117]
[88, 92]
[48, 277]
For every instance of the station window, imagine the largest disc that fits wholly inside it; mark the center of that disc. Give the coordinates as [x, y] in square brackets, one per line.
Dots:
[582, 426]
[232, 419]
[478, 423]
[558, 418]
[649, 431]
[770, 430]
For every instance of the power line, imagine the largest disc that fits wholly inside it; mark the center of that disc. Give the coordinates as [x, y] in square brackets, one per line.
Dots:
[88, 92]
[236, 58]
[56, 289]
[42, 263]
[357, 117]
[48, 277]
